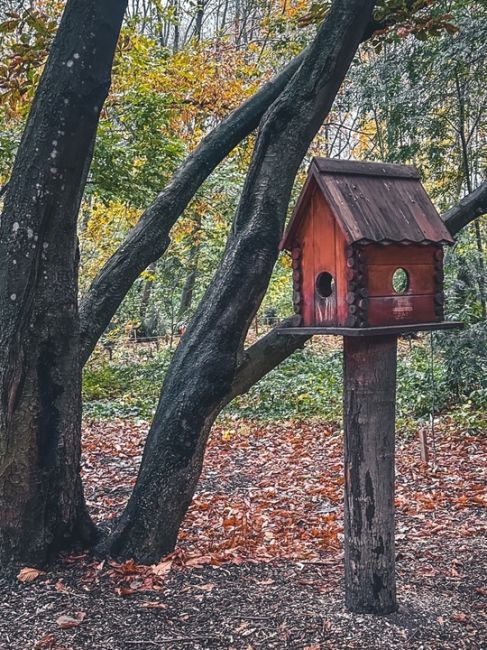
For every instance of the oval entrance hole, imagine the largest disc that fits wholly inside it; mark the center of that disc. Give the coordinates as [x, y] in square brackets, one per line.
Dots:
[400, 280]
[325, 284]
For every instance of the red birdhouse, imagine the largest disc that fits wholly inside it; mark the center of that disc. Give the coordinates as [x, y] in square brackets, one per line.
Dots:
[367, 247]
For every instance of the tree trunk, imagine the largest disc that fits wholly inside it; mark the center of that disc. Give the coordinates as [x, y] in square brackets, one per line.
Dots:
[189, 285]
[369, 423]
[41, 497]
[145, 302]
[203, 368]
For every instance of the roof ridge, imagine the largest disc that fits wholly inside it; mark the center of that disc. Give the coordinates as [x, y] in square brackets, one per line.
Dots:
[361, 168]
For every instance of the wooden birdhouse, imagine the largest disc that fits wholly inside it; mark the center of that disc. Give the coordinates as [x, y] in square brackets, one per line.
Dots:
[367, 247]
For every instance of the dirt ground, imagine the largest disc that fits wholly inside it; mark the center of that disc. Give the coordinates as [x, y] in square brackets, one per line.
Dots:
[259, 563]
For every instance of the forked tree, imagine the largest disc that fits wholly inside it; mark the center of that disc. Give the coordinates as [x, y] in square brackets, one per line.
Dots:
[46, 336]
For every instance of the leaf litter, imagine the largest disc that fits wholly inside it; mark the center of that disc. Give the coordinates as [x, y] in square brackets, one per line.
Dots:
[259, 559]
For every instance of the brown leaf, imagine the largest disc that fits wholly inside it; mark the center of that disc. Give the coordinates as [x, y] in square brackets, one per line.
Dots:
[198, 561]
[29, 574]
[162, 568]
[125, 591]
[459, 617]
[47, 642]
[66, 622]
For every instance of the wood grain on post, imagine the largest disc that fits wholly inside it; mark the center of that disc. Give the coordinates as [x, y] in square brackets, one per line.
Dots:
[369, 423]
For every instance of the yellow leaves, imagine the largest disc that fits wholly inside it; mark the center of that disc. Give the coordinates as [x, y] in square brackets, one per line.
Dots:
[105, 227]
[147, 275]
[365, 133]
[200, 81]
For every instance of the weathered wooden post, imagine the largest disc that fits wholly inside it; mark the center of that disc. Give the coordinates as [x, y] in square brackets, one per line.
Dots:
[367, 258]
[369, 396]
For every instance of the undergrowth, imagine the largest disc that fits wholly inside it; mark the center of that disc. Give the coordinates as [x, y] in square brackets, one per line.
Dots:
[307, 385]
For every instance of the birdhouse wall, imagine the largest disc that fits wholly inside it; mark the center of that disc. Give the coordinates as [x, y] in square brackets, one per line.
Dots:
[321, 246]
[421, 301]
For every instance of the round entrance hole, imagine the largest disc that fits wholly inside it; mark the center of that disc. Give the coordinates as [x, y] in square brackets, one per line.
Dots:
[400, 280]
[325, 284]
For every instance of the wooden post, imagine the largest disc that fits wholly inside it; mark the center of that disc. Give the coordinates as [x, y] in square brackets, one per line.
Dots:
[369, 423]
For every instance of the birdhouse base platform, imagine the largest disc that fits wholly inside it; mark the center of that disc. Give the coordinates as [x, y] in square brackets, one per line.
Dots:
[385, 330]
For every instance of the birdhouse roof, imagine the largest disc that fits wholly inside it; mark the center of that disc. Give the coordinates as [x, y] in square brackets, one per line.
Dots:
[372, 202]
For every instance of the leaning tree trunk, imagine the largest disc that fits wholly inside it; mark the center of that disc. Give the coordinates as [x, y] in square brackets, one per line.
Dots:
[203, 369]
[41, 498]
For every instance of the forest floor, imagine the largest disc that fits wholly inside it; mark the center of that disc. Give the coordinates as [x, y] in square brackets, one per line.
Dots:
[259, 562]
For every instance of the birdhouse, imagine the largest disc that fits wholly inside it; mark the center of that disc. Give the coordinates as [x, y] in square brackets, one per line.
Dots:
[367, 247]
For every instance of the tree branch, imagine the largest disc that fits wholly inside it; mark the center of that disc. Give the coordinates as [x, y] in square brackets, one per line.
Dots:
[470, 207]
[264, 355]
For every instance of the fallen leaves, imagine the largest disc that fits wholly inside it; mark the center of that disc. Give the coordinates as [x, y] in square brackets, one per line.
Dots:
[46, 642]
[459, 617]
[29, 574]
[275, 491]
[162, 568]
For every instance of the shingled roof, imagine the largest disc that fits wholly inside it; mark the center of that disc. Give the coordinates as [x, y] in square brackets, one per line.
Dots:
[372, 202]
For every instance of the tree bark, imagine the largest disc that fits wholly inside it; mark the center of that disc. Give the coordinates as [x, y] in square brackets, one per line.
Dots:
[41, 497]
[369, 423]
[470, 207]
[203, 368]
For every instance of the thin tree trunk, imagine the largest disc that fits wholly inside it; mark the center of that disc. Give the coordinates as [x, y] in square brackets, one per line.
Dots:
[41, 498]
[187, 294]
[189, 285]
[146, 294]
[203, 368]
[199, 19]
